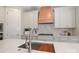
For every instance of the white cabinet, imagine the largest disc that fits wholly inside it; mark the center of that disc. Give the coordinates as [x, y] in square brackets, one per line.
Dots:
[12, 23]
[2, 14]
[76, 31]
[30, 19]
[64, 17]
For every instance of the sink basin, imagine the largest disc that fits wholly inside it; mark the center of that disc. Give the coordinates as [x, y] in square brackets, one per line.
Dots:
[41, 47]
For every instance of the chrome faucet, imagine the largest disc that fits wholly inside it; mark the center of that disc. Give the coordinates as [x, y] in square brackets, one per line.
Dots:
[28, 35]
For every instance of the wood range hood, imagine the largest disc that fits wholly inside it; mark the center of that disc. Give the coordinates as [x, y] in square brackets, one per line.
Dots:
[46, 15]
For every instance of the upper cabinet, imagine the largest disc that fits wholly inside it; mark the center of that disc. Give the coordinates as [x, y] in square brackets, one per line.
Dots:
[64, 17]
[45, 15]
[2, 14]
[30, 19]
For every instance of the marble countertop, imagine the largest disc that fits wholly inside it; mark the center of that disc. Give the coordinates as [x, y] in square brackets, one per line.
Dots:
[63, 47]
[11, 46]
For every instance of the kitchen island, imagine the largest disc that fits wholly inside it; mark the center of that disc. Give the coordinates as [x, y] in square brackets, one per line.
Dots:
[11, 46]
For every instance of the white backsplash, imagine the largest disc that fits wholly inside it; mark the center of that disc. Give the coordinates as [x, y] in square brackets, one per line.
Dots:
[45, 28]
[49, 29]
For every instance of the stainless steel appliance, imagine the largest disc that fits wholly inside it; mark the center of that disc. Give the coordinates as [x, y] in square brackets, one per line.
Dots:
[1, 31]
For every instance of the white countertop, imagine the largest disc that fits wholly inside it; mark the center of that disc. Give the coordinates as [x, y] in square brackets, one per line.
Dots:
[11, 46]
[63, 47]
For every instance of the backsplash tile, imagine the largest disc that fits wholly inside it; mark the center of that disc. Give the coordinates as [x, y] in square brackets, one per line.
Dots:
[50, 29]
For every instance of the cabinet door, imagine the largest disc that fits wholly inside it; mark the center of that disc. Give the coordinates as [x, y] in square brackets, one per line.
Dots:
[2, 13]
[30, 19]
[45, 15]
[64, 17]
[13, 24]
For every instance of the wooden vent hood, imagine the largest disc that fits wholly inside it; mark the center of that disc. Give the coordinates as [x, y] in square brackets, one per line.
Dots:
[46, 15]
